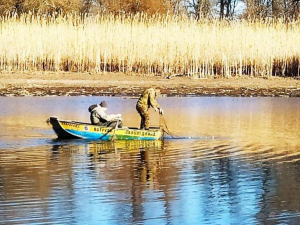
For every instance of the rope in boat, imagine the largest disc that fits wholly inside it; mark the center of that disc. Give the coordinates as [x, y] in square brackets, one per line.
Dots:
[116, 127]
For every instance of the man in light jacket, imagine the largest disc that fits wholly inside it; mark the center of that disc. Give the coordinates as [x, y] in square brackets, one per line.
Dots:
[99, 117]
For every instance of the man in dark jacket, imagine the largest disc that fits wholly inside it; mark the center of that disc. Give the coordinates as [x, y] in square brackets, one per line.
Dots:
[146, 101]
[99, 117]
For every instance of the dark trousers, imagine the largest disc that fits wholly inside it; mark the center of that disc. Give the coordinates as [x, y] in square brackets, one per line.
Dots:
[144, 117]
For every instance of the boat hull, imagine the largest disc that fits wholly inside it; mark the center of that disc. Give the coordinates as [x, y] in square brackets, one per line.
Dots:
[66, 129]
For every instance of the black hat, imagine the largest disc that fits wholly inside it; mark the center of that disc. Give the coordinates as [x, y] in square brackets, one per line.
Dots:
[103, 104]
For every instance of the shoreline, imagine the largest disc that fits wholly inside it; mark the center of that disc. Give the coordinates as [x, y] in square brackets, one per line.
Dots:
[118, 84]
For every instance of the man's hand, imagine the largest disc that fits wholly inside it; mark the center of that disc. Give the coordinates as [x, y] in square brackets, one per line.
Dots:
[161, 111]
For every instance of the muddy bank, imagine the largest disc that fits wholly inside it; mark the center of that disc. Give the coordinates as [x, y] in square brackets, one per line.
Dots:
[66, 84]
[136, 90]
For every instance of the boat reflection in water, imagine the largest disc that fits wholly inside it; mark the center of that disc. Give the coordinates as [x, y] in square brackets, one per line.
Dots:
[133, 159]
[136, 152]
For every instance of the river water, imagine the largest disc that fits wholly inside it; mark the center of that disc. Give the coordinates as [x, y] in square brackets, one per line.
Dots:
[241, 165]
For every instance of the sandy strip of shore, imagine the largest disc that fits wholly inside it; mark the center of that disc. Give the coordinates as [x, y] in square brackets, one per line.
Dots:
[118, 84]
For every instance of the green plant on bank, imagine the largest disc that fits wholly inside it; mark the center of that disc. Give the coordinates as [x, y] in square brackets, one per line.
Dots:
[149, 45]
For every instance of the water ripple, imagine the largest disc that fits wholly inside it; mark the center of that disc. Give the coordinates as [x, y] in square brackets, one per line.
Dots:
[248, 173]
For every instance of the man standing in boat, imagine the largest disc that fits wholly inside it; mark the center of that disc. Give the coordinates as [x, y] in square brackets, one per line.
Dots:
[99, 117]
[146, 101]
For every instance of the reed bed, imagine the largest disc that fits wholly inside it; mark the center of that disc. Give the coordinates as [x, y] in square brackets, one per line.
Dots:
[155, 45]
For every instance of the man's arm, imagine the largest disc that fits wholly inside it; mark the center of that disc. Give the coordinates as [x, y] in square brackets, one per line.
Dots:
[102, 114]
[111, 117]
[152, 100]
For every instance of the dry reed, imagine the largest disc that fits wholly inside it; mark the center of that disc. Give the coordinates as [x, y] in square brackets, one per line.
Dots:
[156, 45]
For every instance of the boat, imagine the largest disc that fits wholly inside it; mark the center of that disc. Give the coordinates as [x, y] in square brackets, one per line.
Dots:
[66, 129]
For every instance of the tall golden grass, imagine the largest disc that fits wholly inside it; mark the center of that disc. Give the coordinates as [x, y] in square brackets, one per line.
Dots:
[155, 45]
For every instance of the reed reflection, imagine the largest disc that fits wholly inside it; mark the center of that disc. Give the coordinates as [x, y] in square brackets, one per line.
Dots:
[135, 171]
[134, 181]
[142, 174]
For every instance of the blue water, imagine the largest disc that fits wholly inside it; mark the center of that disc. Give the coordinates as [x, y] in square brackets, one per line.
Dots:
[240, 166]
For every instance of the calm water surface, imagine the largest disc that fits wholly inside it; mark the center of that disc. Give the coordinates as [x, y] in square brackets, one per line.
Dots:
[244, 167]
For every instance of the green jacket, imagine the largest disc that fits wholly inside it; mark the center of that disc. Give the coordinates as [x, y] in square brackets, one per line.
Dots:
[147, 99]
